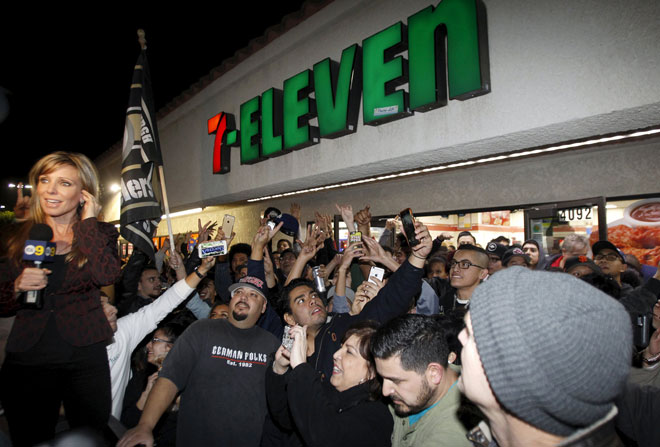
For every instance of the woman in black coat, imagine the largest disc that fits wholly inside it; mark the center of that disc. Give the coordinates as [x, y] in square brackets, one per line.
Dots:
[346, 411]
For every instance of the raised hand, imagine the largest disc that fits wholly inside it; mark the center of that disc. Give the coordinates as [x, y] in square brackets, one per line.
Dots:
[264, 234]
[363, 220]
[423, 249]
[176, 262]
[205, 231]
[376, 253]
[360, 300]
[299, 348]
[165, 246]
[346, 212]
[312, 244]
[355, 250]
[295, 211]
[363, 217]
[206, 265]
[373, 286]
[91, 207]
[22, 207]
[281, 362]
[323, 221]
[268, 263]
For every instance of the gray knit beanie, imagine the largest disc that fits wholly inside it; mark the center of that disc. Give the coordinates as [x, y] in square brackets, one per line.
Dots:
[556, 350]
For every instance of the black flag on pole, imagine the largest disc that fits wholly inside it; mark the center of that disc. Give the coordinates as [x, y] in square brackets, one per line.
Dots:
[140, 209]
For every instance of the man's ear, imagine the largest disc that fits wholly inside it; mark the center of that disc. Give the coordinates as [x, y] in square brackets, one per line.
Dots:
[288, 318]
[452, 357]
[483, 274]
[263, 308]
[434, 373]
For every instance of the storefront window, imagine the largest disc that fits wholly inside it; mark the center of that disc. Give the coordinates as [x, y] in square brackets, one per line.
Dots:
[634, 227]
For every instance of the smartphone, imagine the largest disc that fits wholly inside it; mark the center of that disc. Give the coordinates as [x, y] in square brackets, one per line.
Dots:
[376, 272]
[408, 223]
[228, 225]
[287, 340]
[356, 236]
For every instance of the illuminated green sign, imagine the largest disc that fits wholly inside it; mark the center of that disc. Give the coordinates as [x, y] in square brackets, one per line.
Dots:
[447, 59]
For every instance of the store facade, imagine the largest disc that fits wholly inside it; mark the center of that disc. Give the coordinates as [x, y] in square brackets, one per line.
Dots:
[547, 75]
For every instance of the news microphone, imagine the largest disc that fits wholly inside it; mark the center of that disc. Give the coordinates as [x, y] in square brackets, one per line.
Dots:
[38, 249]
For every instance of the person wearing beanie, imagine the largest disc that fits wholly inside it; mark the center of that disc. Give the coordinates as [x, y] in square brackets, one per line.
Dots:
[580, 266]
[495, 252]
[544, 367]
[515, 257]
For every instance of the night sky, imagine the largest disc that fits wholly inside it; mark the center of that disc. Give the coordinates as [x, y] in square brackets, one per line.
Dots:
[67, 71]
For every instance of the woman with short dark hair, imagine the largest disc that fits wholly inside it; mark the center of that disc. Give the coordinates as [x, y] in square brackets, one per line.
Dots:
[345, 411]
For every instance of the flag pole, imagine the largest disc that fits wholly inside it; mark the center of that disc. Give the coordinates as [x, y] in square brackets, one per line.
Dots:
[161, 174]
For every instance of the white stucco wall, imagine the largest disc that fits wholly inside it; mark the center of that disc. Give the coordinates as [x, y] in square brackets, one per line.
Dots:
[610, 171]
[559, 71]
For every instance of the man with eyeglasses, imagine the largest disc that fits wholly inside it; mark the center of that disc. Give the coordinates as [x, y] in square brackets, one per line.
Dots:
[612, 262]
[467, 269]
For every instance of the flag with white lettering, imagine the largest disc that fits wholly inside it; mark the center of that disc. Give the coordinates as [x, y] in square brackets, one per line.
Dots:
[140, 209]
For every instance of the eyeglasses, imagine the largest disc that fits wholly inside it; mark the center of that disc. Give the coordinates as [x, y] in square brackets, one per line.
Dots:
[463, 265]
[155, 339]
[610, 257]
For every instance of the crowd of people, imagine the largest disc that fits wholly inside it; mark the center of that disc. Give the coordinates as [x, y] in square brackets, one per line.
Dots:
[408, 340]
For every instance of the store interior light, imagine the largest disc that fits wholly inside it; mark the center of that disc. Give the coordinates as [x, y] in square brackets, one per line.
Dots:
[115, 188]
[460, 164]
[183, 213]
[610, 206]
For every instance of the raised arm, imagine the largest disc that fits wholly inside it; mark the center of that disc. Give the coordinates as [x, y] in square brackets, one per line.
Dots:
[363, 219]
[98, 242]
[309, 248]
[346, 212]
[269, 270]
[376, 253]
[260, 240]
[352, 251]
[395, 298]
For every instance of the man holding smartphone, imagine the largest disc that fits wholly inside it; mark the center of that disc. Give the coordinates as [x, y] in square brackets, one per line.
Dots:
[300, 303]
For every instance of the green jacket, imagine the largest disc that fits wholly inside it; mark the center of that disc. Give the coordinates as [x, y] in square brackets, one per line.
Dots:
[439, 427]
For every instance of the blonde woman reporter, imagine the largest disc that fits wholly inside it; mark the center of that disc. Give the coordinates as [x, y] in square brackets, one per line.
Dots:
[56, 354]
